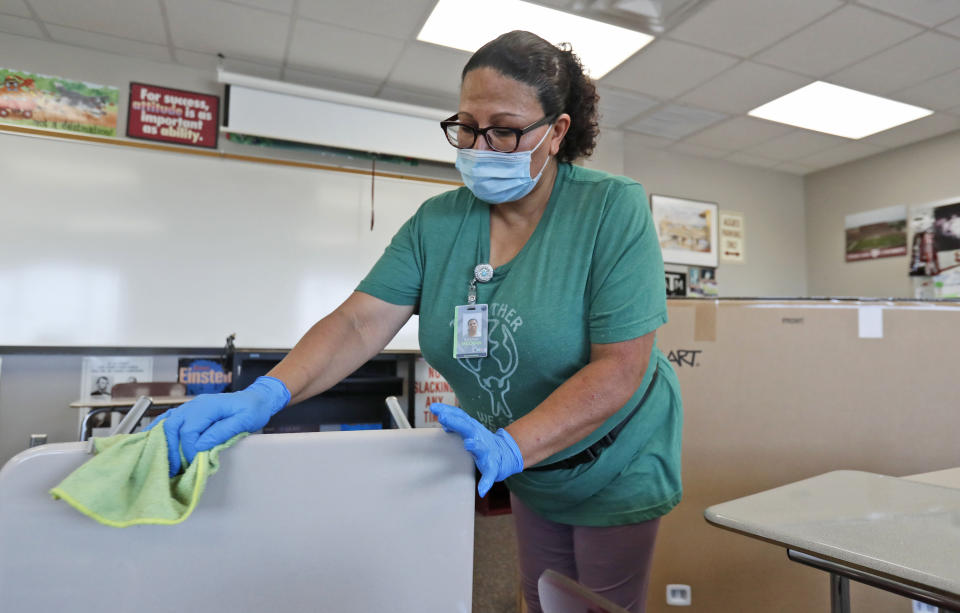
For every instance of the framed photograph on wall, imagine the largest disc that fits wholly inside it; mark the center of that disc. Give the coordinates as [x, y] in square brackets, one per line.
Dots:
[686, 229]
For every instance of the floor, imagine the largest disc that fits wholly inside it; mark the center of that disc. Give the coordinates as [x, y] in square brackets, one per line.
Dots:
[495, 576]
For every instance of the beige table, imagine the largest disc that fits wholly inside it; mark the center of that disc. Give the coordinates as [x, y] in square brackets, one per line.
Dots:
[897, 534]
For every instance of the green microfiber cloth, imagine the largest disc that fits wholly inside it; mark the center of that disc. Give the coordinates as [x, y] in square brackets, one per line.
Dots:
[127, 482]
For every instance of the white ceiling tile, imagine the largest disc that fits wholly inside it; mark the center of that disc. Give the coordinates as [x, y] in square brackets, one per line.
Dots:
[14, 7]
[318, 47]
[429, 67]
[937, 94]
[207, 61]
[617, 107]
[846, 152]
[792, 168]
[136, 19]
[794, 145]
[739, 133]
[12, 24]
[420, 98]
[744, 87]
[842, 38]
[633, 140]
[665, 69]
[697, 150]
[110, 44]
[277, 6]
[402, 19]
[674, 121]
[751, 160]
[926, 12]
[359, 87]
[906, 64]
[743, 27]
[951, 27]
[921, 129]
[211, 26]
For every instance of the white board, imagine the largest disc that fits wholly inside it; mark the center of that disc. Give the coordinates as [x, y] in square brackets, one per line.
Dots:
[335, 521]
[112, 246]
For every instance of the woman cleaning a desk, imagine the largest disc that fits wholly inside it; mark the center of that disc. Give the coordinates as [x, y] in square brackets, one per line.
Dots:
[564, 395]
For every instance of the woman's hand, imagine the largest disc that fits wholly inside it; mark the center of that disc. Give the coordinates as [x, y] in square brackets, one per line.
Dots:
[212, 419]
[495, 454]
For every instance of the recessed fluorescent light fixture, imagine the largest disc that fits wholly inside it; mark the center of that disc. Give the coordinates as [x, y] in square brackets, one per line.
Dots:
[469, 24]
[838, 110]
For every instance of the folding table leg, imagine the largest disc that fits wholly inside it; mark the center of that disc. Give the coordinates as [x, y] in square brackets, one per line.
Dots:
[839, 594]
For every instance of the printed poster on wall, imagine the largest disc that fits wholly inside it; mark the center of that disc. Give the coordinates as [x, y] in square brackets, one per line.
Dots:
[732, 237]
[879, 233]
[173, 116]
[429, 387]
[686, 229]
[676, 281]
[100, 374]
[703, 283]
[923, 253]
[946, 240]
[55, 103]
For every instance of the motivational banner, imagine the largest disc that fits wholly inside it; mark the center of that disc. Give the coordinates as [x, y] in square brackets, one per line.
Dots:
[55, 103]
[173, 116]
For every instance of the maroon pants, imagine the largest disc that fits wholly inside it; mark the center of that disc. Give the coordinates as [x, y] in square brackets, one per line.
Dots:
[612, 561]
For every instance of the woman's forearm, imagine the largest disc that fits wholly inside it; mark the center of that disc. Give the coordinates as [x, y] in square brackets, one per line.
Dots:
[583, 402]
[339, 344]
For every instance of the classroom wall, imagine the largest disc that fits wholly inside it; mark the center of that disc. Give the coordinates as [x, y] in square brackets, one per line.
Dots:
[772, 202]
[36, 391]
[915, 174]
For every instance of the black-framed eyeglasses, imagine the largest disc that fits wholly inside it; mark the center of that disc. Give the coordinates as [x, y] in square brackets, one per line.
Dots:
[504, 140]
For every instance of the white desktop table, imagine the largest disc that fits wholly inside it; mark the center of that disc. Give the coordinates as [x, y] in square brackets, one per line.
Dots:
[901, 534]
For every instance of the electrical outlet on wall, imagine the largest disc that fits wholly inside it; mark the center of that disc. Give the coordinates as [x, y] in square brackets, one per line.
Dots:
[679, 595]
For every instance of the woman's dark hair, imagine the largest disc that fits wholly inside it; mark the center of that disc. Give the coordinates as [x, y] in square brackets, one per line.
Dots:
[556, 74]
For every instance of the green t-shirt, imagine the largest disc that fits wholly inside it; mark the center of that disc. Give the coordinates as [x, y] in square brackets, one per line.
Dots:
[591, 272]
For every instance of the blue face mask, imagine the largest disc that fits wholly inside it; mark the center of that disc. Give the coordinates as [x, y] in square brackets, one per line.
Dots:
[497, 177]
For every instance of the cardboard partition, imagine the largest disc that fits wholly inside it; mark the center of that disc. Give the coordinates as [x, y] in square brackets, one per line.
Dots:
[780, 390]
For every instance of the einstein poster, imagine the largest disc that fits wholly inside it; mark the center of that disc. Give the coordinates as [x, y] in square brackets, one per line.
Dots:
[55, 103]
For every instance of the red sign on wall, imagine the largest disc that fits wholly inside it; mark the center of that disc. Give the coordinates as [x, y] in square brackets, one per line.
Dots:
[173, 116]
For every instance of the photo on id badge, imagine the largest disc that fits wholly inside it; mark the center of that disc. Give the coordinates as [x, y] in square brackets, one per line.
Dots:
[470, 339]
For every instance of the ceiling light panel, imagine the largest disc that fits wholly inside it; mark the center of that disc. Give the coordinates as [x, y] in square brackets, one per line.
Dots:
[832, 109]
[469, 24]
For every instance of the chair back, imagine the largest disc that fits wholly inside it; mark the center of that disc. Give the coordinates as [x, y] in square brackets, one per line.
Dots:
[151, 388]
[561, 594]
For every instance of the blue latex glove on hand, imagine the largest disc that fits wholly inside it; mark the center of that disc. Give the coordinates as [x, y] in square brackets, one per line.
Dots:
[211, 419]
[495, 453]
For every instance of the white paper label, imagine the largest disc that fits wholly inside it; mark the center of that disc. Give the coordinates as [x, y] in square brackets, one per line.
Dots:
[871, 321]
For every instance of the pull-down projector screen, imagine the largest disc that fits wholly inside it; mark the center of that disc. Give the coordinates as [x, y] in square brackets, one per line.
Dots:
[345, 121]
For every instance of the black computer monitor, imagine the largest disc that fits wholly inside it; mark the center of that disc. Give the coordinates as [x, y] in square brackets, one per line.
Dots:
[357, 402]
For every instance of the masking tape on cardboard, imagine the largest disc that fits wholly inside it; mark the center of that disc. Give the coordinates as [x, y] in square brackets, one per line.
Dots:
[705, 321]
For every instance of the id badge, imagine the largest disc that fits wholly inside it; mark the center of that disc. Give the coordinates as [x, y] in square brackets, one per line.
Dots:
[470, 335]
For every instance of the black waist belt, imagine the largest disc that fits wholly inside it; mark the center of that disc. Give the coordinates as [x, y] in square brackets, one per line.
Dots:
[592, 452]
